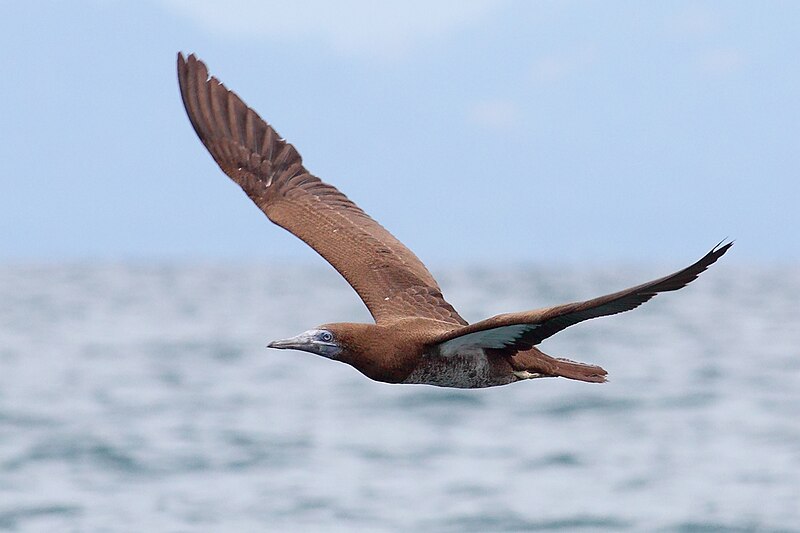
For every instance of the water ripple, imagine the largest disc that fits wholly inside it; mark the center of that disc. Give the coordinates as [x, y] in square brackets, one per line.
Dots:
[143, 395]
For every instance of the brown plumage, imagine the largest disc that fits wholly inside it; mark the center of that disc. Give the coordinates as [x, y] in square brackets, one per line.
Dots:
[417, 337]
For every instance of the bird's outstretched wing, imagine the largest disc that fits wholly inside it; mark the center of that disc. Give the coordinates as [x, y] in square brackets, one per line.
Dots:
[389, 278]
[510, 333]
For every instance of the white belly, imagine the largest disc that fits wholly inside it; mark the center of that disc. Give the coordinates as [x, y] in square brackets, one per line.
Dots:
[459, 371]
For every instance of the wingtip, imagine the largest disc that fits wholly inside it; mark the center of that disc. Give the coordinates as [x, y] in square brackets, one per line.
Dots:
[711, 257]
[726, 243]
[187, 59]
[722, 246]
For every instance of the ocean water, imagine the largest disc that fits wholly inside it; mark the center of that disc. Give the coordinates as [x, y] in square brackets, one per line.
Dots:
[137, 397]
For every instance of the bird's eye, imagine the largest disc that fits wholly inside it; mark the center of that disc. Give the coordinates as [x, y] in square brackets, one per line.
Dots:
[325, 336]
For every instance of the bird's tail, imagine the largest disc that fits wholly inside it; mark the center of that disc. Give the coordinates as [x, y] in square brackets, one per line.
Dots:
[537, 362]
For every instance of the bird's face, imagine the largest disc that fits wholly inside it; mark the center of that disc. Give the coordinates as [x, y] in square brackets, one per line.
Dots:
[319, 341]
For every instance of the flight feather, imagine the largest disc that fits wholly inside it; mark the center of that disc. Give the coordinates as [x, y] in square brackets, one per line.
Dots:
[389, 278]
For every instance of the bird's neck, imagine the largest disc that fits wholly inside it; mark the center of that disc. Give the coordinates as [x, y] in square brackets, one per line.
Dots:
[376, 352]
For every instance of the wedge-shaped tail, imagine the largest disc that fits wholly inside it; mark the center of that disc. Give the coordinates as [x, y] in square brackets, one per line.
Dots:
[536, 362]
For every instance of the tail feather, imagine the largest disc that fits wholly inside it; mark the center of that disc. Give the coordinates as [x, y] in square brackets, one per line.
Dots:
[580, 371]
[536, 361]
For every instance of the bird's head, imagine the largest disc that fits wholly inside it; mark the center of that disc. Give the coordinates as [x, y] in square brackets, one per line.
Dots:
[321, 341]
[369, 348]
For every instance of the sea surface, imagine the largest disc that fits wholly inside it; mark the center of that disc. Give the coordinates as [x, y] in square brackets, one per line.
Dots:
[141, 397]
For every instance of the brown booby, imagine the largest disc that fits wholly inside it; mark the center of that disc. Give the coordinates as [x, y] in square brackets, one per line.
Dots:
[417, 336]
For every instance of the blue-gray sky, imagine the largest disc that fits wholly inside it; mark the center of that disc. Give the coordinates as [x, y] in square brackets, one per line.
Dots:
[485, 131]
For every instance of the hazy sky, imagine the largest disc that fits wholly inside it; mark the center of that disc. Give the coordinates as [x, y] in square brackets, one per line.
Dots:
[484, 131]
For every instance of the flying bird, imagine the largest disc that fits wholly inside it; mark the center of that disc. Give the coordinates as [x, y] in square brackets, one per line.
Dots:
[417, 336]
